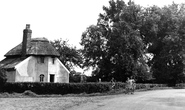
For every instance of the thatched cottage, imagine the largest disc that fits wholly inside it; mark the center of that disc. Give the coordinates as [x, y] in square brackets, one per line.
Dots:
[34, 60]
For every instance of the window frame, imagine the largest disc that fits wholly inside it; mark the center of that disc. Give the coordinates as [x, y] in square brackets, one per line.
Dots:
[41, 76]
[53, 60]
[42, 59]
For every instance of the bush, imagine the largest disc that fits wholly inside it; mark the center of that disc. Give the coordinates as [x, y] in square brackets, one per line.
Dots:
[56, 88]
[70, 88]
[74, 78]
[150, 86]
[3, 78]
[29, 93]
[180, 86]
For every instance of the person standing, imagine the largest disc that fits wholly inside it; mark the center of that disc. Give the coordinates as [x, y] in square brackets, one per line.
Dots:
[112, 83]
[130, 85]
[133, 85]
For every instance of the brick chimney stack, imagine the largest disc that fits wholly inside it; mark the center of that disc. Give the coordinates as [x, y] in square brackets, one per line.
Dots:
[26, 39]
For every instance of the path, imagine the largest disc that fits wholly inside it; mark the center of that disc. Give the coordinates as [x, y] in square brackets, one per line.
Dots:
[173, 99]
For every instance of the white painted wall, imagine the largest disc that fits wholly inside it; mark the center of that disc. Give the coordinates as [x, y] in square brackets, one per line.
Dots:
[22, 74]
[58, 69]
[30, 69]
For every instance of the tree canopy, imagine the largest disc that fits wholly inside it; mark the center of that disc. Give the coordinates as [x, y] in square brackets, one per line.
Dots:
[114, 46]
[70, 56]
[163, 34]
[130, 40]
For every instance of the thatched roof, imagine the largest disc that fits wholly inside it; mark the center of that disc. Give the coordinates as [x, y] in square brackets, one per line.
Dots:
[37, 46]
[10, 63]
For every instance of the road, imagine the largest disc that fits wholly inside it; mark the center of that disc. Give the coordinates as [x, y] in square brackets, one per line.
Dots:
[171, 99]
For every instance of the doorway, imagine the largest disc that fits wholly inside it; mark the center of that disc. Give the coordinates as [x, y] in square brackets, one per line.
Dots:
[52, 77]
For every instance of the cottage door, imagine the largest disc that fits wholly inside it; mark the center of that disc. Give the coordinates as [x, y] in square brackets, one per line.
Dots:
[52, 77]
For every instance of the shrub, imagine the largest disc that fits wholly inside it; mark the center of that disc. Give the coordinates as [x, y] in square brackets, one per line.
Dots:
[180, 85]
[3, 78]
[29, 93]
[70, 88]
[56, 88]
[150, 86]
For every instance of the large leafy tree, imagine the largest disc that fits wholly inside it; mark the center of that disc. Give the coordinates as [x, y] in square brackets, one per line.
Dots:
[114, 47]
[117, 45]
[162, 31]
[70, 56]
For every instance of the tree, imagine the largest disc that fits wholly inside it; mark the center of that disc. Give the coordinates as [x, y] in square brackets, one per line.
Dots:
[74, 77]
[69, 55]
[114, 47]
[162, 31]
[118, 45]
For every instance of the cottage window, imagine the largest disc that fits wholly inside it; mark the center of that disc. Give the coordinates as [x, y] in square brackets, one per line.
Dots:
[53, 60]
[41, 78]
[41, 59]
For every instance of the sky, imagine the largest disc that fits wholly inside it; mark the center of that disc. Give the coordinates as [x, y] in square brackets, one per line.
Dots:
[53, 19]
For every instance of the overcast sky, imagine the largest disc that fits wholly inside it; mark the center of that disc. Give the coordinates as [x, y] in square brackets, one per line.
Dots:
[53, 19]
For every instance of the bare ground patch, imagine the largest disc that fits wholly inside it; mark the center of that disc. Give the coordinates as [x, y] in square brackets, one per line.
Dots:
[60, 103]
[31, 101]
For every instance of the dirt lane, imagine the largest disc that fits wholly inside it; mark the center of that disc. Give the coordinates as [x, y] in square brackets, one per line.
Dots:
[173, 99]
[60, 103]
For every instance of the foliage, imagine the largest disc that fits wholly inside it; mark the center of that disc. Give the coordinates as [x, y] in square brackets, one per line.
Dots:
[32, 89]
[56, 88]
[114, 47]
[74, 77]
[163, 34]
[130, 40]
[3, 78]
[92, 79]
[69, 55]
[150, 86]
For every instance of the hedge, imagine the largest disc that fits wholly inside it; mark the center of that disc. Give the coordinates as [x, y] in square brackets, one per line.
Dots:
[150, 86]
[69, 88]
[180, 86]
[56, 88]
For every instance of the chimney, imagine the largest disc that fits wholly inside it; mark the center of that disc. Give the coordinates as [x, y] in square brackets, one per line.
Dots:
[26, 39]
